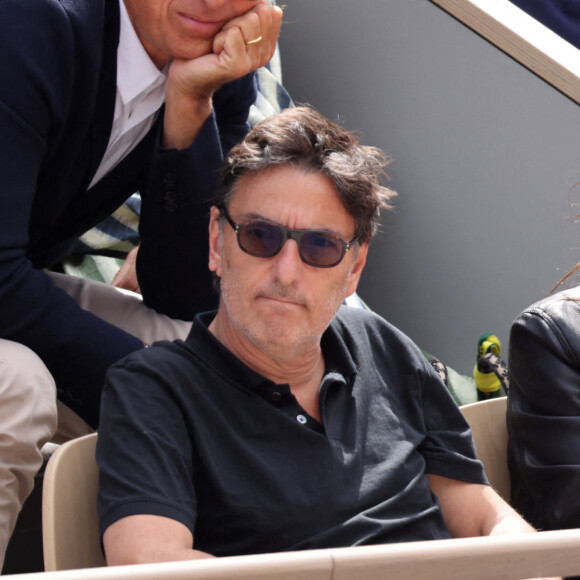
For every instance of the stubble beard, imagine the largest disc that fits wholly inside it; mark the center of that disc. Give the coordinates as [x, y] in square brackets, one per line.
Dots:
[275, 334]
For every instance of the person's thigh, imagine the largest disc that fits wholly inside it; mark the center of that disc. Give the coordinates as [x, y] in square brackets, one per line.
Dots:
[122, 308]
[28, 418]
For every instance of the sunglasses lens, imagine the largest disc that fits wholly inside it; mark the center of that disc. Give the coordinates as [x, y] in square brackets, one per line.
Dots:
[260, 238]
[321, 249]
[264, 240]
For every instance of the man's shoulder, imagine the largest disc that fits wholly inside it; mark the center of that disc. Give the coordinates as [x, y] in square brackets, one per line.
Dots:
[351, 320]
[163, 351]
[194, 352]
[163, 369]
[363, 329]
[51, 12]
[54, 35]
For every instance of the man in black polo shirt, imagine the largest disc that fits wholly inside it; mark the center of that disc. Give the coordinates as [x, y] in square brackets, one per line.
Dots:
[286, 421]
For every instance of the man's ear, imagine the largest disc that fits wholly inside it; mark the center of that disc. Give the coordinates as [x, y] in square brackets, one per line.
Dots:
[357, 268]
[215, 255]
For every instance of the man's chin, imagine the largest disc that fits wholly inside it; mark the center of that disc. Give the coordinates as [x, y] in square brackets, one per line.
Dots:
[280, 332]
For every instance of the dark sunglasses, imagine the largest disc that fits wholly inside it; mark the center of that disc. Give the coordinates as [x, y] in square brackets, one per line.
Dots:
[264, 239]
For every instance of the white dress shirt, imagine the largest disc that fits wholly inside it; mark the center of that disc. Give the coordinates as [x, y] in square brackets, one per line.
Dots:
[140, 94]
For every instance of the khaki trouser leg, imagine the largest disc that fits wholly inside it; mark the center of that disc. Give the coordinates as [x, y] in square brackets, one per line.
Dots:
[28, 418]
[125, 310]
[122, 308]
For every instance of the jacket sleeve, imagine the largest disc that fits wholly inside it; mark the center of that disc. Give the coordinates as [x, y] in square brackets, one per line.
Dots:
[35, 77]
[172, 264]
[544, 415]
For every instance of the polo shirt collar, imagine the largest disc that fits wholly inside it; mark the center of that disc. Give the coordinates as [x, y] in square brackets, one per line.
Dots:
[337, 355]
[213, 353]
[207, 347]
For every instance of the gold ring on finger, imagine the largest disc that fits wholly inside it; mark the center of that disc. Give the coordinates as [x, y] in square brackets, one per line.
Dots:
[255, 41]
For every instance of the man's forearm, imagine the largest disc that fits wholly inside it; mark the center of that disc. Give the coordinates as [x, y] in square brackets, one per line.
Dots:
[149, 556]
[184, 118]
[148, 539]
[508, 522]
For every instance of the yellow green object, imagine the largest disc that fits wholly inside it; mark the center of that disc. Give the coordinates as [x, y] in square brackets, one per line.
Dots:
[487, 383]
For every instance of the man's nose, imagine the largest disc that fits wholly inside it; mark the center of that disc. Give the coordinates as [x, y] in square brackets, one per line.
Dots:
[288, 265]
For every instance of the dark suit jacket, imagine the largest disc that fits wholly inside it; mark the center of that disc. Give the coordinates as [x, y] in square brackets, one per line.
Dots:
[57, 97]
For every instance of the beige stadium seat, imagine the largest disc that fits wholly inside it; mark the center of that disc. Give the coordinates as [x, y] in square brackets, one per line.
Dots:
[487, 420]
[70, 531]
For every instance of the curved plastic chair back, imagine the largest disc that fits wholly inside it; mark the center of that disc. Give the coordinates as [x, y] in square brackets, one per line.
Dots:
[70, 527]
[487, 420]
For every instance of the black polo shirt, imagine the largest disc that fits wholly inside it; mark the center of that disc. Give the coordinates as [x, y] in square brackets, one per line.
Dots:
[189, 432]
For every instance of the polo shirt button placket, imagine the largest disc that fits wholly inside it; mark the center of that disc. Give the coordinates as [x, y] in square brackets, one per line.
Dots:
[301, 419]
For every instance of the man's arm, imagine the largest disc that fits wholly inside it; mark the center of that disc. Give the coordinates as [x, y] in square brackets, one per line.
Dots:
[192, 83]
[473, 509]
[469, 510]
[200, 124]
[35, 99]
[172, 269]
[144, 539]
[147, 500]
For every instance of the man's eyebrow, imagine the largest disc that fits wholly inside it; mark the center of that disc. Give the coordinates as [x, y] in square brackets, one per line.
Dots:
[256, 216]
[252, 215]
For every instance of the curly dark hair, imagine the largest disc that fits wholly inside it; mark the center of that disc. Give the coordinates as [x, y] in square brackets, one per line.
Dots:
[302, 137]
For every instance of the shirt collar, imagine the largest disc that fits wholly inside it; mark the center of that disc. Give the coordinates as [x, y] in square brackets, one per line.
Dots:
[136, 72]
[211, 352]
[207, 348]
[338, 357]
